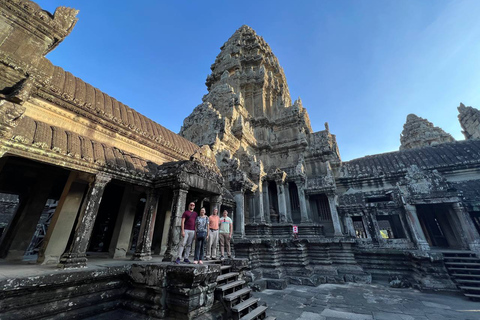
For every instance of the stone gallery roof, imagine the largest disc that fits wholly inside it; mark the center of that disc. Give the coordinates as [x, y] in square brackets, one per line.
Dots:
[443, 156]
[37, 134]
[74, 90]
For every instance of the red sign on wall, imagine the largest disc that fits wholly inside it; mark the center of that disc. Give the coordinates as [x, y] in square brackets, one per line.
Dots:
[295, 229]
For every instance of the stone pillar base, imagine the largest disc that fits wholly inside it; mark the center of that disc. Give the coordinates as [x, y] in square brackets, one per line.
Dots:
[423, 245]
[72, 261]
[142, 256]
[475, 247]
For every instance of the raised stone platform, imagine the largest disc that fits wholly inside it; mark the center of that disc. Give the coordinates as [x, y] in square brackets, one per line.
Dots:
[153, 289]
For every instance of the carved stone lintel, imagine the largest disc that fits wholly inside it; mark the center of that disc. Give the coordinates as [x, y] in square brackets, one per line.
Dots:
[10, 113]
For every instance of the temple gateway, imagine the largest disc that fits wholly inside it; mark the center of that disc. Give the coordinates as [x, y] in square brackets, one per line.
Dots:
[92, 192]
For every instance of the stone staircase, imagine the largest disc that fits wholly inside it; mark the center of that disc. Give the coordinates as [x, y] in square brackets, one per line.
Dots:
[236, 297]
[464, 268]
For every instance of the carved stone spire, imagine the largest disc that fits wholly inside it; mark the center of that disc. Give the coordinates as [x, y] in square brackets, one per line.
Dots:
[418, 132]
[247, 63]
[470, 121]
[248, 118]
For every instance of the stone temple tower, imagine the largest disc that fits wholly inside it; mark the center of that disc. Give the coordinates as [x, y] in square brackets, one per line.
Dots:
[264, 143]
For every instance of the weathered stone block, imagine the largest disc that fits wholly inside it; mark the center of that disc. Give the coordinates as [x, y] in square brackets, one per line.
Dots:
[276, 284]
[258, 285]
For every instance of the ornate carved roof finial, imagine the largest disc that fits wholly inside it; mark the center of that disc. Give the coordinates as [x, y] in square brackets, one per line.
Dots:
[470, 121]
[418, 132]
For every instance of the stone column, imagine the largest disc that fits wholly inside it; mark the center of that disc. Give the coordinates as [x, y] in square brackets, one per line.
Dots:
[376, 228]
[178, 208]
[337, 227]
[143, 249]
[119, 245]
[417, 231]
[76, 257]
[266, 201]
[288, 203]
[282, 204]
[469, 231]
[258, 202]
[216, 203]
[305, 218]
[63, 220]
[18, 235]
[239, 219]
[350, 227]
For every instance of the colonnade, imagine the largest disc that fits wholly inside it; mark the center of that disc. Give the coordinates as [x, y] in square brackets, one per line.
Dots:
[69, 232]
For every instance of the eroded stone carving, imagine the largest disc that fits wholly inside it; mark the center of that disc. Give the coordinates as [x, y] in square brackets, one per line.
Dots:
[418, 132]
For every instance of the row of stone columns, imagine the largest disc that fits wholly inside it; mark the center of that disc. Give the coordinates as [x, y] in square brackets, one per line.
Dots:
[261, 206]
[71, 208]
[470, 233]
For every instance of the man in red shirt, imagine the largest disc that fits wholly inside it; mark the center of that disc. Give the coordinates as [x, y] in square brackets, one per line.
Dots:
[188, 233]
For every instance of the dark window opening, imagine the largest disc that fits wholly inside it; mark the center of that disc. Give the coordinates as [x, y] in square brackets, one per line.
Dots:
[106, 218]
[137, 222]
[42, 227]
[438, 225]
[475, 215]
[273, 205]
[390, 227]
[323, 207]
[359, 228]
[294, 202]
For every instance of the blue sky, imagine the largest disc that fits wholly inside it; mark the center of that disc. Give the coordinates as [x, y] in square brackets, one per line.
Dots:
[362, 66]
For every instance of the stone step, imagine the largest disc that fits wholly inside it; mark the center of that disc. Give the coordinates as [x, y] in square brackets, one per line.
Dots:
[250, 302]
[270, 318]
[462, 258]
[467, 264]
[465, 275]
[468, 281]
[255, 313]
[230, 285]
[471, 295]
[224, 278]
[222, 268]
[237, 294]
[466, 288]
[450, 252]
[463, 269]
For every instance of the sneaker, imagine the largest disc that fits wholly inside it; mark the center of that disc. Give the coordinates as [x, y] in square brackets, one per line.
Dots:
[200, 262]
[186, 261]
[195, 262]
[229, 257]
[214, 258]
[177, 261]
[222, 257]
[207, 258]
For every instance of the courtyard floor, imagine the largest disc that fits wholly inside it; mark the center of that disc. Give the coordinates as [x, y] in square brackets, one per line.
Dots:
[365, 302]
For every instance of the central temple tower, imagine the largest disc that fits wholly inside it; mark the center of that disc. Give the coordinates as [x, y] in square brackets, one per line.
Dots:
[261, 140]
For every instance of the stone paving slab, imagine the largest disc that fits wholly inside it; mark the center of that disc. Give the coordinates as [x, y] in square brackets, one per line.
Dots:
[365, 302]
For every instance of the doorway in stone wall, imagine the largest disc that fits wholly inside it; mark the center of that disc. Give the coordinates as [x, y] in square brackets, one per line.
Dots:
[439, 225]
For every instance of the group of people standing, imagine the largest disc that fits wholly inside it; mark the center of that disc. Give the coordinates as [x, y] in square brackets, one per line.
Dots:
[204, 229]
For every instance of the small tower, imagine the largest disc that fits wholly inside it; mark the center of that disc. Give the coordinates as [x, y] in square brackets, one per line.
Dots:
[418, 132]
[470, 121]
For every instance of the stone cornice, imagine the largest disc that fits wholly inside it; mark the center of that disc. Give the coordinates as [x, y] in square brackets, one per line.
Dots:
[39, 154]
